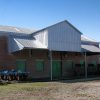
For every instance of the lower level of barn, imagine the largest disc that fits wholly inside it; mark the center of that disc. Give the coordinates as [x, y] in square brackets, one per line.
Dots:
[63, 65]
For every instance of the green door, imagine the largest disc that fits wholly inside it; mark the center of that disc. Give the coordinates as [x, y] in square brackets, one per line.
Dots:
[39, 66]
[21, 65]
[56, 69]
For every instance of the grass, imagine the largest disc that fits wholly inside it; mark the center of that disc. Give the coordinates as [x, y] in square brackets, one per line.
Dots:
[64, 90]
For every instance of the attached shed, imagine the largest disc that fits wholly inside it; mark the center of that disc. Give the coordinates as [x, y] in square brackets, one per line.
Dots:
[91, 50]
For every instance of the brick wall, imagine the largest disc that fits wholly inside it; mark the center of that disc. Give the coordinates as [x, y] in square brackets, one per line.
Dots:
[6, 60]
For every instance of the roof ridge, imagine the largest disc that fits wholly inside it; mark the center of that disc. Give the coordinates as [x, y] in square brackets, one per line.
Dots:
[56, 24]
[17, 27]
[88, 38]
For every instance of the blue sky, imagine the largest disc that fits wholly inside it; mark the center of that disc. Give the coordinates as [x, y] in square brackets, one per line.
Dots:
[37, 14]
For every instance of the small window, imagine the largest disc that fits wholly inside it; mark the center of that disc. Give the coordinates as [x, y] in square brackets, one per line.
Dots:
[94, 63]
[82, 63]
[39, 65]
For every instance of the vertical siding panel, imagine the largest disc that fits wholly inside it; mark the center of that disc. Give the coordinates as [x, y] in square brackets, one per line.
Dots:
[63, 37]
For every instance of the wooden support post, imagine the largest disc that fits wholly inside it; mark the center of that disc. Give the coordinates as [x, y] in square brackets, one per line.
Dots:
[51, 63]
[85, 65]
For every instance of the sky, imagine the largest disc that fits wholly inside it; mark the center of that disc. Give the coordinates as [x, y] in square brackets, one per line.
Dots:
[37, 14]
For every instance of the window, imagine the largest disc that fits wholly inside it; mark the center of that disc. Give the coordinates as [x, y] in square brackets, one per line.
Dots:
[40, 65]
[82, 62]
[94, 63]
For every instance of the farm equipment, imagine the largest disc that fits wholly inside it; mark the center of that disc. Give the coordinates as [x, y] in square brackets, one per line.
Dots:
[13, 75]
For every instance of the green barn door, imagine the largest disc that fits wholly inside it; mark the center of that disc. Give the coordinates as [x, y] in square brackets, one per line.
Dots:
[21, 65]
[56, 69]
[40, 65]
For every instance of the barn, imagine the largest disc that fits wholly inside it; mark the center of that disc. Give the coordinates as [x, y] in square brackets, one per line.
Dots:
[55, 52]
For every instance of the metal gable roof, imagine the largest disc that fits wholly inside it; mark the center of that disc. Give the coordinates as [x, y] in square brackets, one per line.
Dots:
[86, 39]
[12, 29]
[31, 43]
[16, 44]
[36, 32]
[90, 48]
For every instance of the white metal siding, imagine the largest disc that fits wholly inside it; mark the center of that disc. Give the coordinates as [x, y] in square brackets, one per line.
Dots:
[63, 37]
[42, 37]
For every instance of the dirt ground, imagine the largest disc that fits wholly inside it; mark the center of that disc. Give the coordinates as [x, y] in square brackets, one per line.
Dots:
[60, 90]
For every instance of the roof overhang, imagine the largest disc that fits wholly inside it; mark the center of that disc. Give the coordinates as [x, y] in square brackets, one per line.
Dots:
[90, 49]
[26, 44]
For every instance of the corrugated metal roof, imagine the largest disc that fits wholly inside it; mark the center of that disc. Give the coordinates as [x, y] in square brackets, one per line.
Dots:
[15, 29]
[86, 39]
[31, 43]
[90, 48]
[19, 40]
[14, 45]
